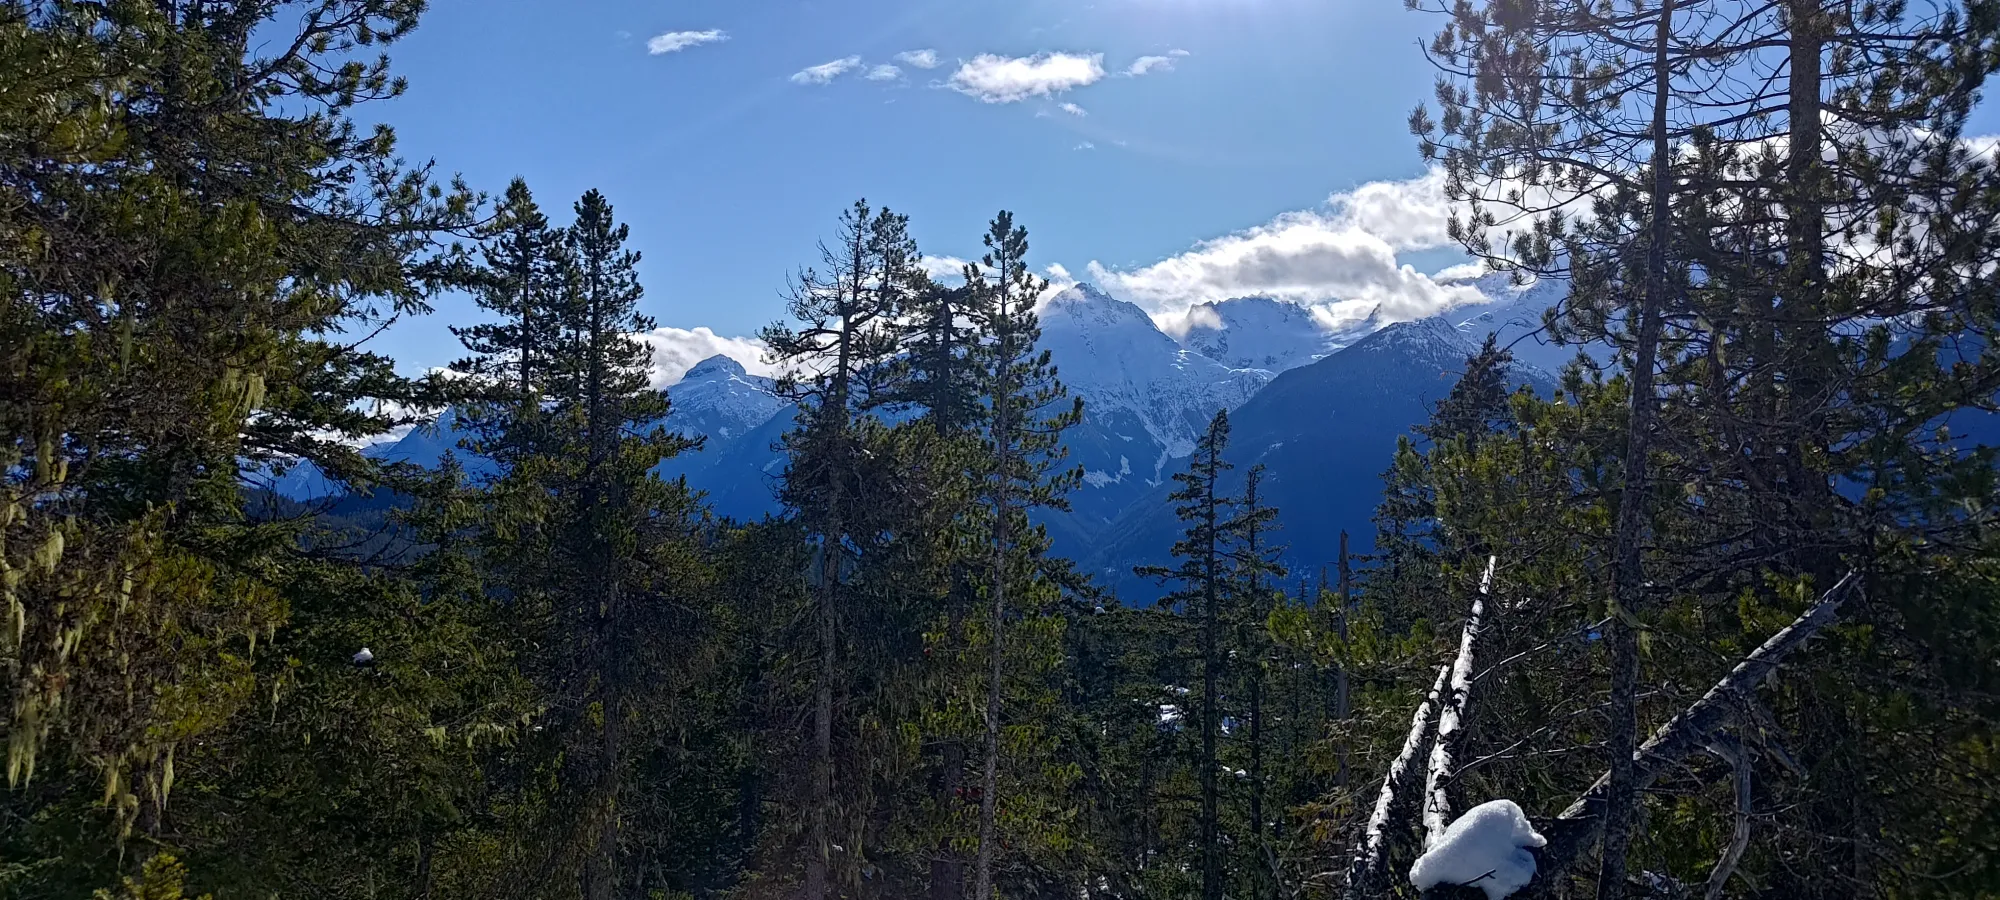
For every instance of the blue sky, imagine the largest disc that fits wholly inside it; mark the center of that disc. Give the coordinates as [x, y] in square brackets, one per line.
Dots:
[1172, 151]
[729, 167]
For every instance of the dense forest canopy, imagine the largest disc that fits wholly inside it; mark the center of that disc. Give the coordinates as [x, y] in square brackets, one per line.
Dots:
[1715, 612]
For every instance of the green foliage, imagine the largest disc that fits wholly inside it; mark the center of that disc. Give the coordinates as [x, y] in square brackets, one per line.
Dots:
[580, 683]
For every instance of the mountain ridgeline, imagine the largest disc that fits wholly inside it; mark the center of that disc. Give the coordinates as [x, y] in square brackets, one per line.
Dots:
[1321, 409]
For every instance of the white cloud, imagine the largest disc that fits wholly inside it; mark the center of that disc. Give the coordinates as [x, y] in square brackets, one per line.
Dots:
[674, 41]
[676, 350]
[827, 71]
[1086, 145]
[884, 72]
[1178, 52]
[943, 268]
[1004, 79]
[1412, 214]
[922, 59]
[1145, 64]
[1074, 110]
[1340, 259]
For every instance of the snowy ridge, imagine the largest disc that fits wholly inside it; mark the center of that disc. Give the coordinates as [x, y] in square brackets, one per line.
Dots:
[1514, 317]
[1110, 353]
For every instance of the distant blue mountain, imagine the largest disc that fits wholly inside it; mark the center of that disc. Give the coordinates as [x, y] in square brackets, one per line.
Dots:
[1325, 433]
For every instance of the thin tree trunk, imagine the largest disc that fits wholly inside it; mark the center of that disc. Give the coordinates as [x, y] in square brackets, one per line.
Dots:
[1451, 717]
[989, 797]
[1633, 506]
[1738, 757]
[1211, 669]
[1257, 835]
[832, 543]
[1342, 701]
[819, 857]
[1371, 859]
[947, 868]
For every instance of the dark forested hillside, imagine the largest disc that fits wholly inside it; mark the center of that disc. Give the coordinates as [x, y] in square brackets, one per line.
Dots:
[1683, 583]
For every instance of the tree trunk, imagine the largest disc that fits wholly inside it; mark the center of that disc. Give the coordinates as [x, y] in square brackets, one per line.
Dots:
[1211, 670]
[947, 868]
[989, 797]
[1342, 702]
[1623, 738]
[819, 856]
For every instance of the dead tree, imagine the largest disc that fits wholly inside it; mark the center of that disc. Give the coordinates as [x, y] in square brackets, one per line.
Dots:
[1572, 832]
[1697, 726]
[1371, 860]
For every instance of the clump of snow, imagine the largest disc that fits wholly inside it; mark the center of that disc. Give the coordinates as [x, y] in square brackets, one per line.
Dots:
[1486, 848]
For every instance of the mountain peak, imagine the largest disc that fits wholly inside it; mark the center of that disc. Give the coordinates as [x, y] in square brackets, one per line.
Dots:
[1084, 305]
[1258, 333]
[717, 366]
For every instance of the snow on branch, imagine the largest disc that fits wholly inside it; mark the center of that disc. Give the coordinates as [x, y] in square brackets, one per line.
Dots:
[1451, 717]
[1694, 728]
[1372, 859]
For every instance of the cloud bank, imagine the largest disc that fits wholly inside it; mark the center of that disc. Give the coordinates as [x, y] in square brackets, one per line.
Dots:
[1340, 259]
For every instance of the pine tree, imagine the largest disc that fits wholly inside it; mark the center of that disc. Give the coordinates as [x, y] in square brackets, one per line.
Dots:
[938, 372]
[524, 261]
[1205, 574]
[837, 365]
[1254, 574]
[1025, 420]
[191, 231]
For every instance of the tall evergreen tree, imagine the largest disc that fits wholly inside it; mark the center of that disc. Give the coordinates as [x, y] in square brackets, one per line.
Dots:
[1254, 572]
[191, 230]
[1026, 417]
[836, 368]
[1205, 574]
[519, 282]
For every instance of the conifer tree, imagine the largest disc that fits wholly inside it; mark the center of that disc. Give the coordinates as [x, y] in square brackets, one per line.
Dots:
[1026, 416]
[836, 369]
[939, 368]
[1254, 574]
[519, 282]
[193, 234]
[1205, 574]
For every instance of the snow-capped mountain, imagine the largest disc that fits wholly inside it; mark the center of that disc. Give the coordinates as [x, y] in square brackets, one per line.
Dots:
[1264, 333]
[719, 399]
[1110, 353]
[1146, 400]
[1325, 432]
[1514, 317]
[1321, 408]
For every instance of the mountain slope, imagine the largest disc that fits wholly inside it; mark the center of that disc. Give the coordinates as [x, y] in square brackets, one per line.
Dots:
[1325, 432]
[1146, 398]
